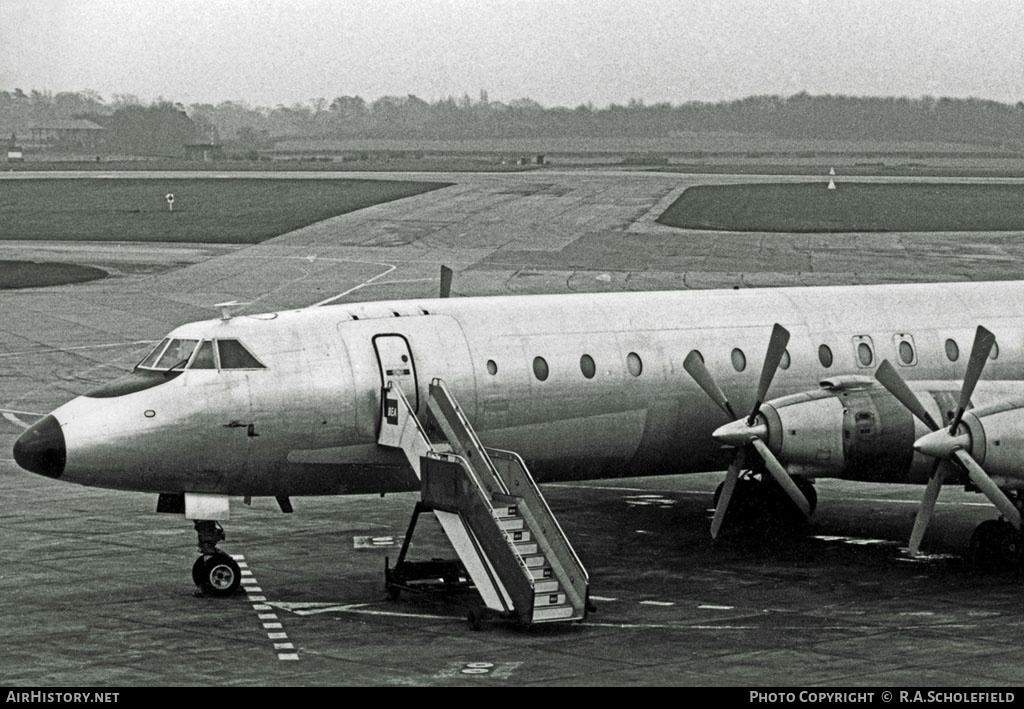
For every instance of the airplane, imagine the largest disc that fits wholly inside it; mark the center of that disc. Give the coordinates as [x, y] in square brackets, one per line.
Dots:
[580, 386]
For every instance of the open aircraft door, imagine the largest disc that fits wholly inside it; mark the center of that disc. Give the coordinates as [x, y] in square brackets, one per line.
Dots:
[396, 365]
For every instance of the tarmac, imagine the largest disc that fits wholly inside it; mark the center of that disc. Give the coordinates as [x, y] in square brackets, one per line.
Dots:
[96, 584]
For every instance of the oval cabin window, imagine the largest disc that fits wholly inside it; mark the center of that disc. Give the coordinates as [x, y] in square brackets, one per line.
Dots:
[785, 361]
[825, 355]
[906, 352]
[540, 368]
[587, 366]
[492, 367]
[864, 354]
[952, 350]
[739, 360]
[994, 354]
[634, 364]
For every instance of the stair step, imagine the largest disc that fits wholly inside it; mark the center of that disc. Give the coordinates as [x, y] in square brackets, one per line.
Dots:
[546, 586]
[534, 562]
[525, 548]
[541, 600]
[518, 535]
[511, 523]
[551, 613]
[506, 511]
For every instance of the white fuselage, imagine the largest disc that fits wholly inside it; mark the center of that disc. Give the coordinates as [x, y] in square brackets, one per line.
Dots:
[582, 386]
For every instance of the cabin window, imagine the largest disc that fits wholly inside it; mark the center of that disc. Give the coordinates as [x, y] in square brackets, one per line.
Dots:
[204, 357]
[739, 360]
[825, 355]
[587, 366]
[906, 352]
[540, 368]
[994, 354]
[952, 350]
[785, 361]
[492, 367]
[634, 364]
[864, 354]
[234, 356]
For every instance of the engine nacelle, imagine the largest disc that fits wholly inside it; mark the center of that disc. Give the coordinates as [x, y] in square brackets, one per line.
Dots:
[852, 428]
[996, 440]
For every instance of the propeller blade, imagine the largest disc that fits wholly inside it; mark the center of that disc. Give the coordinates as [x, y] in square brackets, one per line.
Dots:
[776, 348]
[782, 477]
[980, 478]
[694, 366]
[731, 477]
[980, 350]
[924, 512]
[888, 377]
[446, 282]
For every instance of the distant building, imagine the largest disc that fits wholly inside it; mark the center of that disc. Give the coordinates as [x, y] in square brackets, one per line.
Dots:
[14, 151]
[204, 152]
[75, 133]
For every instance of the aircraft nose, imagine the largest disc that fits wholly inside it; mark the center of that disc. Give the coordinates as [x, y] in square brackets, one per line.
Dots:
[41, 448]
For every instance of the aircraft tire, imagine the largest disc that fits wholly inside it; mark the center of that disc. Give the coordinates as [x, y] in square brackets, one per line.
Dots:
[221, 575]
[197, 571]
[995, 546]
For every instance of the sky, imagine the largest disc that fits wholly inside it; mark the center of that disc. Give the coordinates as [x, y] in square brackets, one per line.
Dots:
[556, 52]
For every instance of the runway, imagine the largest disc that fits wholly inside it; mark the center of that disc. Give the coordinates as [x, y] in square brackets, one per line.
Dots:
[96, 584]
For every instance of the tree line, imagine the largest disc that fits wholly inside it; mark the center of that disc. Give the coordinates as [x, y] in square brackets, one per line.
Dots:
[163, 126]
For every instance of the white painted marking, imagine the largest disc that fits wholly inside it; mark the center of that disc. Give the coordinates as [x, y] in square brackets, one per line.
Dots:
[390, 268]
[249, 580]
[15, 420]
[74, 349]
[257, 598]
[246, 572]
[360, 608]
[277, 636]
[262, 607]
[643, 531]
[283, 646]
[272, 626]
[253, 589]
[657, 603]
[268, 616]
[602, 598]
[243, 565]
[707, 607]
[288, 656]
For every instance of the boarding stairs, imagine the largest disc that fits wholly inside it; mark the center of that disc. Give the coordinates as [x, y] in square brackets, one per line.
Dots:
[491, 510]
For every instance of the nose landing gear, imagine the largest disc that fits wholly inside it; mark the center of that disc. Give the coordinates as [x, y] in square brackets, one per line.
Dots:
[216, 573]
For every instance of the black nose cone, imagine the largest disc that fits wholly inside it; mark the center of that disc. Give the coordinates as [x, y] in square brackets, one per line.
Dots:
[41, 448]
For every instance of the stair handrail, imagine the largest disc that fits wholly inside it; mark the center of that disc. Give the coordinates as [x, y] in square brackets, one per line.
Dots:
[468, 427]
[480, 492]
[538, 495]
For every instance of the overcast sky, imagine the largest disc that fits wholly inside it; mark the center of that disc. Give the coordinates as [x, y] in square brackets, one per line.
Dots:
[560, 53]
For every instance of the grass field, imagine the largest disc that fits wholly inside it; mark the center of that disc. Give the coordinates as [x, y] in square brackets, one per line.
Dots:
[852, 207]
[221, 211]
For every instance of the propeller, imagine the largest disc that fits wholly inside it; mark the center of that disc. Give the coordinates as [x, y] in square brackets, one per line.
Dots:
[744, 433]
[948, 444]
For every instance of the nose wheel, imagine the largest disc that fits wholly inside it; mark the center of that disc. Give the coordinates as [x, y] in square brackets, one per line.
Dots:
[215, 572]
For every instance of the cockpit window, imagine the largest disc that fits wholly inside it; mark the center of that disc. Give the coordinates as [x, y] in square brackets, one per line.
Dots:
[173, 355]
[153, 356]
[234, 356]
[204, 357]
[169, 355]
[177, 354]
